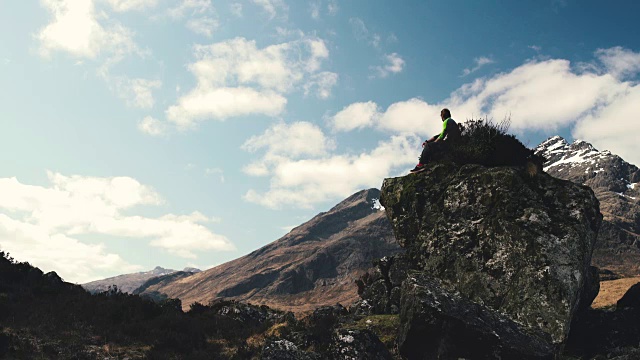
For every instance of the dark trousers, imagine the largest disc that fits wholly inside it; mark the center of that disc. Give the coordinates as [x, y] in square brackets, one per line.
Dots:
[430, 149]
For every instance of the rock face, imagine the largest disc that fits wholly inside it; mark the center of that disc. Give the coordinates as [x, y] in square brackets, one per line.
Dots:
[315, 264]
[438, 324]
[515, 245]
[615, 183]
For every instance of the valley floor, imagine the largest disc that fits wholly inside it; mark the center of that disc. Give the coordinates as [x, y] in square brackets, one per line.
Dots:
[612, 290]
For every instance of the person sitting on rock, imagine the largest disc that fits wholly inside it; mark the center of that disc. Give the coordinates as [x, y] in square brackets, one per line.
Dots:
[440, 142]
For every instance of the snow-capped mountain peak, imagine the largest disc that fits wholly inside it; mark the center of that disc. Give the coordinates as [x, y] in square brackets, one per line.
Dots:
[562, 156]
[581, 162]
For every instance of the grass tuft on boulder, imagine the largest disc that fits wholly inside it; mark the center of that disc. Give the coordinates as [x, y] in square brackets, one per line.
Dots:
[486, 143]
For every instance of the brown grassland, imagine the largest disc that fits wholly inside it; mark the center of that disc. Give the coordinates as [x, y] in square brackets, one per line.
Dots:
[612, 290]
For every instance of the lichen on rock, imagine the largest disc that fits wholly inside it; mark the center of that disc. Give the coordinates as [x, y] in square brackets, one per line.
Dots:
[518, 245]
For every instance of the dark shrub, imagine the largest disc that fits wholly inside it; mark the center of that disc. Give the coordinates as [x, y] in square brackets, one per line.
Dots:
[485, 143]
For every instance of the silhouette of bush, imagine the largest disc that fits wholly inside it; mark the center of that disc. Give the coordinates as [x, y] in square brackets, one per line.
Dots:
[65, 317]
[486, 143]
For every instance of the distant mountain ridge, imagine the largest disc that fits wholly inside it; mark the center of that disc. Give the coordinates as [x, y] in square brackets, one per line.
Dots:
[615, 183]
[127, 283]
[314, 264]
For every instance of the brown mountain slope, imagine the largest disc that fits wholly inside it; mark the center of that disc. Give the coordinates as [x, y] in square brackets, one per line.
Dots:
[315, 264]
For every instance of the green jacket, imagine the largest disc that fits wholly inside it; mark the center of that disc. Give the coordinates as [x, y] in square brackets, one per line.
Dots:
[450, 130]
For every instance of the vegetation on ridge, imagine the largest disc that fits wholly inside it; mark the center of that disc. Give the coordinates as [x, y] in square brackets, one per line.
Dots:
[41, 316]
[486, 143]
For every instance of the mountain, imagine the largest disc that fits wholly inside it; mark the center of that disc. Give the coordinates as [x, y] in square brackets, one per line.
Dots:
[127, 283]
[314, 264]
[615, 183]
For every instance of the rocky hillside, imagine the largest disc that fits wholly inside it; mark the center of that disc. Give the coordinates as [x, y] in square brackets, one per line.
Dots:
[615, 183]
[315, 264]
[127, 283]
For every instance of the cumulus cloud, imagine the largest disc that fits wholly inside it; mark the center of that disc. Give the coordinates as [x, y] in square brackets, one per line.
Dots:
[190, 8]
[613, 127]
[136, 92]
[414, 116]
[542, 95]
[236, 9]
[394, 64]
[314, 9]
[75, 29]
[152, 126]
[362, 33]
[355, 116]
[236, 78]
[40, 222]
[322, 83]
[203, 26]
[332, 7]
[479, 63]
[128, 5]
[303, 182]
[273, 7]
[620, 62]
[294, 140]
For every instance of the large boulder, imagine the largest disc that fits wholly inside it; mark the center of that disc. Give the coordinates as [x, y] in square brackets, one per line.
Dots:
[436, 324]
[515, 244]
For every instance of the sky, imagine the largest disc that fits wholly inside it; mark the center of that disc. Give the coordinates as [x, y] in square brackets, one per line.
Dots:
[136, 133]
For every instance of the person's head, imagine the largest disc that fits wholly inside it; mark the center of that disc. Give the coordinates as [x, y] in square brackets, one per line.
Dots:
[445, 114]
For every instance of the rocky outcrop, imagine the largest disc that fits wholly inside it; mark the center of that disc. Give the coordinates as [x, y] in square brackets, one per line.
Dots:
[517, 247]
[614, 182]
[379, 290]
[437, 324]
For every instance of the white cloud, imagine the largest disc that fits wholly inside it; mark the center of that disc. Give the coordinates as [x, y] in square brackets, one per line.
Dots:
[322, 83]
[538, 95]
[290, 140]
[203, 26]
[137, 92]
[613, 127]
[479, 62]
[413, 116]
[544, 95]
[128, 5]
[236, 78]
[273, 7]
[151, 126]
[191, 8]
[314, 9]
[38, 222]
[362, 33]
[620, 62]
[394, 65]
[332, 7]
[220, 103]
[303, 182]
[236, 9]
[355, 116]
[75, 29]
[73, 260]
[535, 48]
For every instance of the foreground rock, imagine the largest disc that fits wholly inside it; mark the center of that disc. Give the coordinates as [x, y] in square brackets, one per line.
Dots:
[517, 247]
[439, 325]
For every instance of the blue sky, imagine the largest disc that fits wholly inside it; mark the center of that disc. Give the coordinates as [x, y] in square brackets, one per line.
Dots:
[137, 133]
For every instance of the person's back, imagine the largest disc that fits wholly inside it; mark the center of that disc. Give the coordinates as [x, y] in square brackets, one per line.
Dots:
[451, 131]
